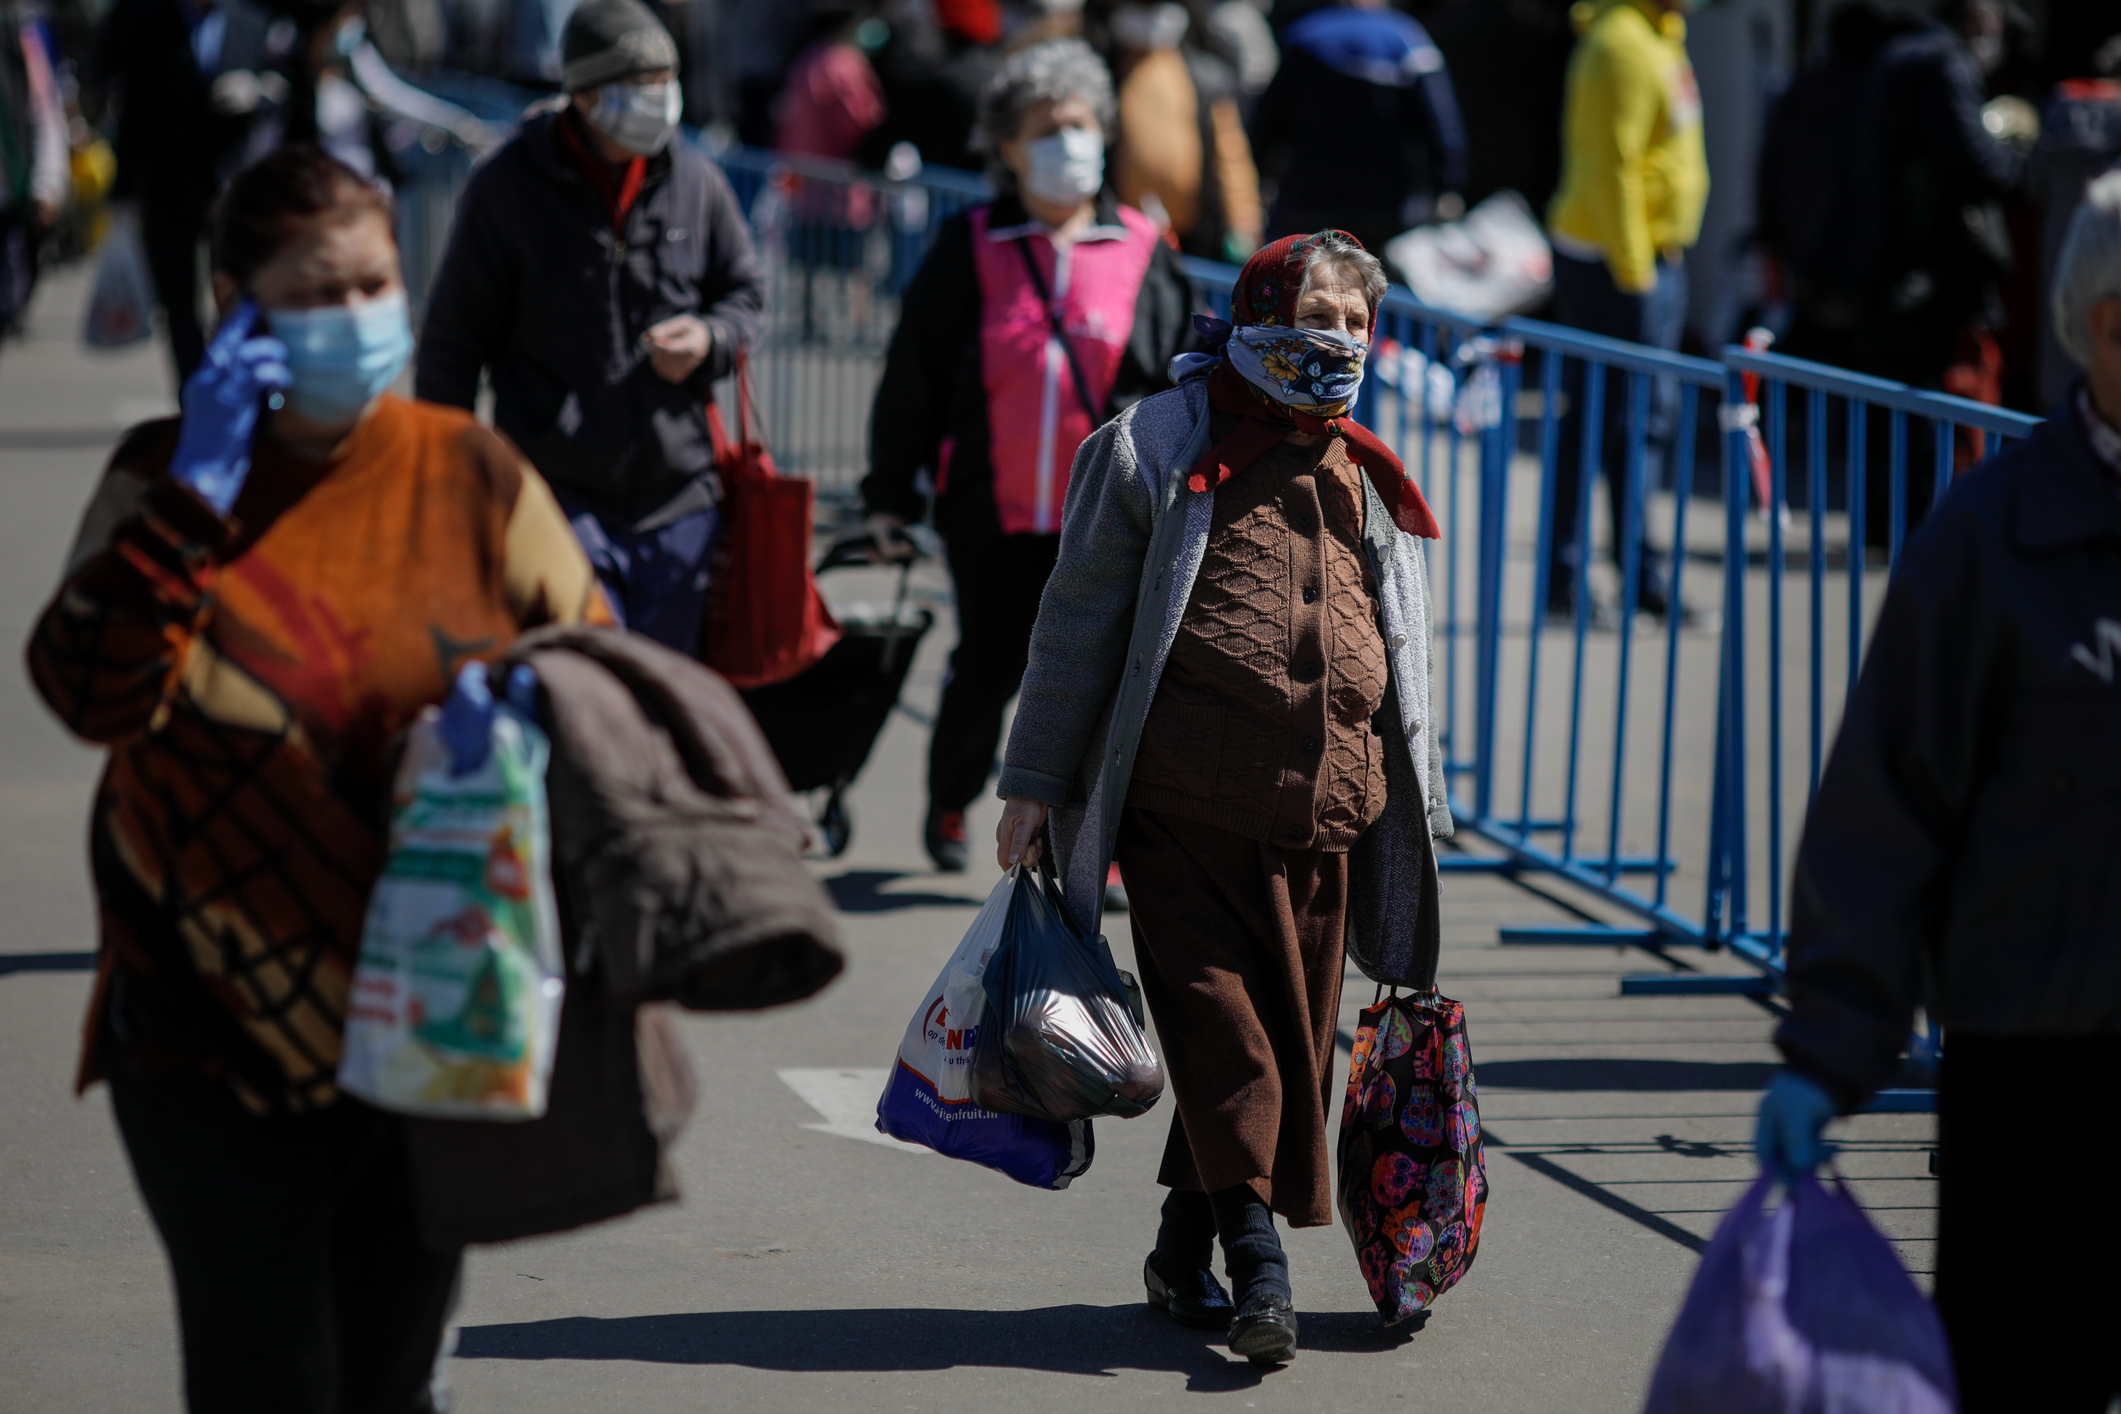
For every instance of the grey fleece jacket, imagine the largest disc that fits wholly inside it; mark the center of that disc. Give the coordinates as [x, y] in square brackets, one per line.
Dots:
[1132, 538]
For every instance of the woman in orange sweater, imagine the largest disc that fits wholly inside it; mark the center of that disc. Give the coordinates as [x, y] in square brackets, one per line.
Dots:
[264, 592]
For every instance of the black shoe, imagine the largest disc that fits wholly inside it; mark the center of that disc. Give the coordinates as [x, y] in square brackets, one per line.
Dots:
[946, 841]
[1265, 1330]
[1196, 1299]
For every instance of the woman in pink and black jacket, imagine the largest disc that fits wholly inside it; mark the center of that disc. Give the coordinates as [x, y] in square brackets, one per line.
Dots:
[1034, 319]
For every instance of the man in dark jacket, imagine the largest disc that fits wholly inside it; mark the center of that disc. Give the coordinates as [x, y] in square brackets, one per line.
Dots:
[1964, 853]
[601, 275]
[1360, 126]
[1878, 190]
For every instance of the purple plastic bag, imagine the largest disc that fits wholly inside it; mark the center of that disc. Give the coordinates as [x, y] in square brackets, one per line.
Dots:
[1805, 1310]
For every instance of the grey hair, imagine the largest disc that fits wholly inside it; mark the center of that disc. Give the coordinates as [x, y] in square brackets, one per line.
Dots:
[1047, 72]
[2089, 268]
[1340, 251]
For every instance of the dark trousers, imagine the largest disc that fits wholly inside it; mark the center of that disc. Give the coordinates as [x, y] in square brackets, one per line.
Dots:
[2025, 1284]
[998, 583]
[171, 229]
[1240, 948]
[1586, 298]
[302, 1286]
[654, 580]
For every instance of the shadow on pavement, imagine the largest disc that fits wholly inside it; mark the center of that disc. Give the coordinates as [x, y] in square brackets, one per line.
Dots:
[1080, 1340]
[47, 962]
[862, 891]
[1620, 1074]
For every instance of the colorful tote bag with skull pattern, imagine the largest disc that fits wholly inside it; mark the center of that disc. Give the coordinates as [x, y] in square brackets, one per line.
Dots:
[1413, 1184]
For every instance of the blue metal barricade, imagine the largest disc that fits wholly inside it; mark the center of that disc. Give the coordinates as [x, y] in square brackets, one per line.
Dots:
[1927, 440]
[839, 246]
[1653, 759]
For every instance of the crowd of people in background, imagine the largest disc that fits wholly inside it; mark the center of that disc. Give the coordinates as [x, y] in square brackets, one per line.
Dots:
[1917, 162]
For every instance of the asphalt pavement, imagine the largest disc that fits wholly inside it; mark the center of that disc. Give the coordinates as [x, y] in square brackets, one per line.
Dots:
[812, 1265]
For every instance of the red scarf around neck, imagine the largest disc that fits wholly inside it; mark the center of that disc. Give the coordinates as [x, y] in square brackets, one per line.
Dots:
[619, 186]
[1267, 422]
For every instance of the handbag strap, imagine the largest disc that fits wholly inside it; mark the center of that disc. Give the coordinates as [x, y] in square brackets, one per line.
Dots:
[721, 447]
[1060, 331]
[1428, 921]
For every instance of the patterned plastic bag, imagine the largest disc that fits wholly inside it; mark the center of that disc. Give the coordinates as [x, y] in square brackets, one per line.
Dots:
[1413, 1183]
[456, 997]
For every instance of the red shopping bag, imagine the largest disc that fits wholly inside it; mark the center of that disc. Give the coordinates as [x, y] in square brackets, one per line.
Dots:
[765, 620]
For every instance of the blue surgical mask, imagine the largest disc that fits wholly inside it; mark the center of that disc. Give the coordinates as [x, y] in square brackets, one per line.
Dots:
[342, 355]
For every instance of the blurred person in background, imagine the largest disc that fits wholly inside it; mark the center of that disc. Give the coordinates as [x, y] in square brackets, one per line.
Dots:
[265, 591]
[186, 78]
[1033, 319]
[1238, 32]
[343, 96]
[601, 274]
[1179, 152]
[935, 65]
[2080, 137]
[832, 97]
[1359, 129]
[1634, 180]
[1960, 856]
[1881, 181]
[34, 157]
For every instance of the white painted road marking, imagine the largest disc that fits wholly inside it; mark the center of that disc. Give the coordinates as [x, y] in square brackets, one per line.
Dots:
[847, 1099]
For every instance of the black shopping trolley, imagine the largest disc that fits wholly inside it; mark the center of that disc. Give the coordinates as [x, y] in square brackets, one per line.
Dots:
[823, 722]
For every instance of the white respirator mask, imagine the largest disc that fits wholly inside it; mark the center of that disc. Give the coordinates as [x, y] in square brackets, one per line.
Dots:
[1066, 166]
[638, 117]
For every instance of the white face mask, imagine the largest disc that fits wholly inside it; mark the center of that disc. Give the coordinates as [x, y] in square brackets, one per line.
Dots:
[638, 117]
[1066, 166]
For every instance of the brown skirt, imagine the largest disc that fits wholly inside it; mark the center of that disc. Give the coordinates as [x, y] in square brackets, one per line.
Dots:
[1240, 946]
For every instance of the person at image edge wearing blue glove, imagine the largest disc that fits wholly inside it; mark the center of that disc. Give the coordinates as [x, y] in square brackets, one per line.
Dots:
[1964, 853]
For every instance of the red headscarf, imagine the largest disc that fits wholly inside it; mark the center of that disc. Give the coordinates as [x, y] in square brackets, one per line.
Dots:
[1265, 293]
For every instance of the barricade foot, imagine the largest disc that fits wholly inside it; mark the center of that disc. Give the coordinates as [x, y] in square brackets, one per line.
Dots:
[1597, 935]
[1694, 984]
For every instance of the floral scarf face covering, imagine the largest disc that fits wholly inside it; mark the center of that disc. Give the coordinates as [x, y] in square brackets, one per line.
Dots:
[1280, 378]
[1318, 370]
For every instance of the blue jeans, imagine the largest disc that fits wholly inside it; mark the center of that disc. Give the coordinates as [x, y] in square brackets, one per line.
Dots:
[655, 580]
[1586, 298]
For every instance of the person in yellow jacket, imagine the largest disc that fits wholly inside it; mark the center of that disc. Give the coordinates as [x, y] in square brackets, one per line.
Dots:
[1633, 182]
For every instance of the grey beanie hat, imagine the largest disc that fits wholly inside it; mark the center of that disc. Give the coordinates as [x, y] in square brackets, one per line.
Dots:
[608, 40]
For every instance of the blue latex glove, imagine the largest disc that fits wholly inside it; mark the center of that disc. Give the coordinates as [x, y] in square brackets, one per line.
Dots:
[467, 713]
[523, 691]
[1793, 1115]
[221, 403]
[467, 720]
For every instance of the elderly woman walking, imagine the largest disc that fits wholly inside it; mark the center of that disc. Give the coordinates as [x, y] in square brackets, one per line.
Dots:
[1228, 692]
[1033, 319]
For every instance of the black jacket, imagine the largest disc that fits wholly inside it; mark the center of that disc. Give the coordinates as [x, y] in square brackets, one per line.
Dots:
[932, 389]
[538, 290]
[1879, 187]
[1360, 117]
[1964, 849]
[172, 145]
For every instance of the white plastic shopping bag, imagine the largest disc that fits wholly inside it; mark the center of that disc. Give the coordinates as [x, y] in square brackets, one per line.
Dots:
[1496, 262]
[456, 997]
[121, 304]
[928, 1099]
